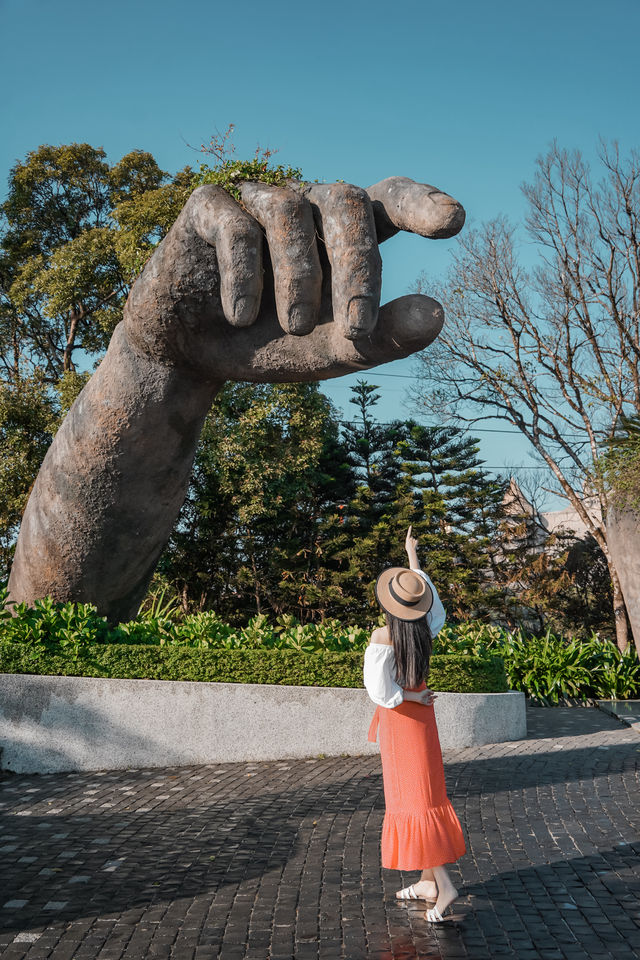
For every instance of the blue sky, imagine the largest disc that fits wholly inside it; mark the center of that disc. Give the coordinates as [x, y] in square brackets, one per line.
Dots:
[462, 94]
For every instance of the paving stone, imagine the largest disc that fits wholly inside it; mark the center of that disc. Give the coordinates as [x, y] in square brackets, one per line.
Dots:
[270, 861]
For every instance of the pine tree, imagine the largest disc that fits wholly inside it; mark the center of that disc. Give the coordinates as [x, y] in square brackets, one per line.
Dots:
[370, 523]
[460, 510]
[431, 478]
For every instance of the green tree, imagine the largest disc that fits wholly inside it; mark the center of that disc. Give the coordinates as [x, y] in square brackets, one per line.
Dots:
[261, 511]
[586, 603]
[30, 414]
[74, 233]
[28, 417]
[369, 522]
[458, 509]
[431, 478]
[619, 463]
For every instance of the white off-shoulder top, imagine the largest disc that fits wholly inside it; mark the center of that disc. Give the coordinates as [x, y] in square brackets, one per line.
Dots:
[379, 672]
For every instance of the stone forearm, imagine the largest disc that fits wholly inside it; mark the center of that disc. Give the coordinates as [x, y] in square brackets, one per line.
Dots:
[112, 484]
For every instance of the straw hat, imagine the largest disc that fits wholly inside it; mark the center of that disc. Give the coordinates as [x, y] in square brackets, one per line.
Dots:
[404, 593]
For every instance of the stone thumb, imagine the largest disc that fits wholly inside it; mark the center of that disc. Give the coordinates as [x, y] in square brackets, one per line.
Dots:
[404, 326]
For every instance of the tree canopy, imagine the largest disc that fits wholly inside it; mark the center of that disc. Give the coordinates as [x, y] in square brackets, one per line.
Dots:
[75, 232]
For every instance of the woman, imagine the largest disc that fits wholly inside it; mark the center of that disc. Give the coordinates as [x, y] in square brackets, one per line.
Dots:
[420, 830]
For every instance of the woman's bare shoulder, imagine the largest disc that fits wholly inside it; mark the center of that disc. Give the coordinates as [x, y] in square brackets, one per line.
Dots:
[381, 635]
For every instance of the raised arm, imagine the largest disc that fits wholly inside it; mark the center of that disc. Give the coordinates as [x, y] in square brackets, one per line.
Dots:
[411, 546]
[436, 616]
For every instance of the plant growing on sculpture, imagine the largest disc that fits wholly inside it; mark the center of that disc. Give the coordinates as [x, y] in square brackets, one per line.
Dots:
[231, 173]
[228, 172]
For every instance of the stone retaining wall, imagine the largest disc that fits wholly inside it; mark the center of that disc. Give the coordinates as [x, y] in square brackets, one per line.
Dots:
[50, 724]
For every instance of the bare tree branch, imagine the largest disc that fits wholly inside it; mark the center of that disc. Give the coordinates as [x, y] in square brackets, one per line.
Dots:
[554, 350]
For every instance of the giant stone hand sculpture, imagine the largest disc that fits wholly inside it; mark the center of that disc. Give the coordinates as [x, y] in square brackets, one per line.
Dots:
[214, 303]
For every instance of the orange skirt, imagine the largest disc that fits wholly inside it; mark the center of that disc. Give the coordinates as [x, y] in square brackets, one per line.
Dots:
[420, 827]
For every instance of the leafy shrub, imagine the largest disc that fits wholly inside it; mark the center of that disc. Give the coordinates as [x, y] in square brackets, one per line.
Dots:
[474, 638]
[549, 667]
[68, 626]
[286, 667]
[71, 637]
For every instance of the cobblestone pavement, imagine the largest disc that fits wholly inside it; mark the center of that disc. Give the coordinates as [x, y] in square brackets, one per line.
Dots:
[271, 861]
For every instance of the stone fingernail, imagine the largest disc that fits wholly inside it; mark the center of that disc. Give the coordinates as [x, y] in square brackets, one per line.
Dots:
[361, 316]
[301, 318]
[244, 311]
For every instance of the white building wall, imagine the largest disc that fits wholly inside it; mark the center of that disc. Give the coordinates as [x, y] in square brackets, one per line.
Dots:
[568, 519]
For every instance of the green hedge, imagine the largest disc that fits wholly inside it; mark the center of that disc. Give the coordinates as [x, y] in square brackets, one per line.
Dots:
[454, 672]
[70, 638]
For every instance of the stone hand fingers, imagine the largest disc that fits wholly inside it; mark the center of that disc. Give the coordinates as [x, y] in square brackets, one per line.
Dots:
[287, 220]
[346, 226]
[304, 307]
[237, 238]
[346, 222]
[295, 220]
[237, 233]
[402, 204]
[404, 326]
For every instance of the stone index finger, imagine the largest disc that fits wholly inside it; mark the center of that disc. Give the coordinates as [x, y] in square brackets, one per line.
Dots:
[291, 234]
[238, 240]
[403, 204]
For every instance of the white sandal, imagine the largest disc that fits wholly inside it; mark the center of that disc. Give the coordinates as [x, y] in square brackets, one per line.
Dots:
[433, 915]
[409, 893]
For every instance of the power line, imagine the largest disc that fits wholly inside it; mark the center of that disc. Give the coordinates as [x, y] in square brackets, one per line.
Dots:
[512, 433]
[397, 376]
[382, 423]
[406, 376]
[520, 466]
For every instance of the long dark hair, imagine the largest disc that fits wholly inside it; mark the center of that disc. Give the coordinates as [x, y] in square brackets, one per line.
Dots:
[412, 643]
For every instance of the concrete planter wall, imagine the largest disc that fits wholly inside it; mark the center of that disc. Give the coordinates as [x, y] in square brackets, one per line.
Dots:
[50, 724]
